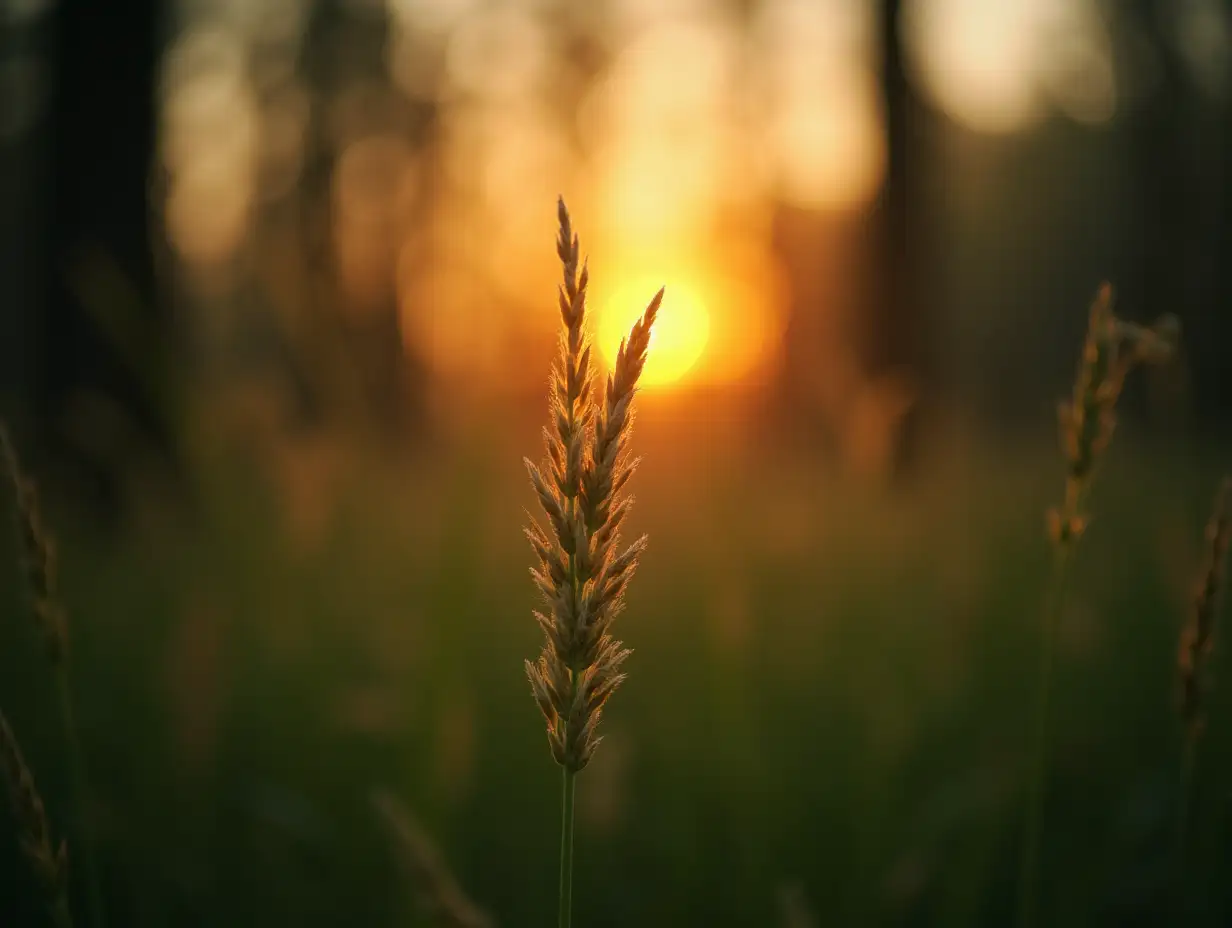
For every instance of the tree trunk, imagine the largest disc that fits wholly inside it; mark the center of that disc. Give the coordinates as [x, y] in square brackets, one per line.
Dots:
[99, 326]
[894, 341]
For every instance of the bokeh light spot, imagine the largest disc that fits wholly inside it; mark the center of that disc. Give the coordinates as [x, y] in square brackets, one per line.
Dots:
[680, 334]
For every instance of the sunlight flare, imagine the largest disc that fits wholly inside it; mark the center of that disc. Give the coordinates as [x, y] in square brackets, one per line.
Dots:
[680, 334]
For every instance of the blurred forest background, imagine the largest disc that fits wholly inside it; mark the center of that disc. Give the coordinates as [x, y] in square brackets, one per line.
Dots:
[276, 313]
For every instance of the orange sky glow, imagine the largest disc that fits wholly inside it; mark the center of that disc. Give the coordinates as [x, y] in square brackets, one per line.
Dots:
[679, 150]
[721, 320]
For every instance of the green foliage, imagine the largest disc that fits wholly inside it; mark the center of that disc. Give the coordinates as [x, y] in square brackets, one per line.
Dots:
[846, 712]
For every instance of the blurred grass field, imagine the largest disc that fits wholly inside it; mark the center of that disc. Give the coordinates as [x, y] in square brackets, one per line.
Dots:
[831, 688]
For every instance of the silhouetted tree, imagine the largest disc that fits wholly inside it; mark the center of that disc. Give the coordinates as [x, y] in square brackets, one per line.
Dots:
[1179, 247]
[354, 363]
[896, 339]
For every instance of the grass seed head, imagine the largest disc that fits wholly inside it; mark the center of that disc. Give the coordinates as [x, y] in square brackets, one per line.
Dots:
[581, 569]
[38, 555]
[1112, 348]
[1198, 636]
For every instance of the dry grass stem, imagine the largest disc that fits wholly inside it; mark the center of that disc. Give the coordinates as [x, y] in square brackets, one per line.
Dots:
[1197, 646]
[38, 555]
[582, 570]
[48, 859]
[1198, 636]
[1111, 350]
[437, 893]
[39, 562]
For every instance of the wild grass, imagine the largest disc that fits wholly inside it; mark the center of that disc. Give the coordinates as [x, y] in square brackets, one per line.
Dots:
[1196, 649]
[438, 896]
[582, 571]
[1112, 349]
[255, 690]
[39, 561]
[48, 860]
[791, 707]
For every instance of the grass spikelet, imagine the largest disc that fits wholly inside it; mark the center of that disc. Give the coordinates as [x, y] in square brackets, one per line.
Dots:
[38, 555]
[437, 893]
[48, 860]
[1111, 350]
[582, 571]
[39, 563]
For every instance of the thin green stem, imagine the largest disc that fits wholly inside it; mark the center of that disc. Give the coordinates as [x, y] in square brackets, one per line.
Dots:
[568, 788]
[80, 796]
[1028, 875]
[1184, 801]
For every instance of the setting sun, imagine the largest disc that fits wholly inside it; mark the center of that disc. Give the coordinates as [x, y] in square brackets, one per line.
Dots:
[679, 336]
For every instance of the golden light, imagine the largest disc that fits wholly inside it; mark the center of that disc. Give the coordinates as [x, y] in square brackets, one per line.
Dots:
[1000, 67]
[722, 320]
[979, 60]
[680, 333]
[209, 140]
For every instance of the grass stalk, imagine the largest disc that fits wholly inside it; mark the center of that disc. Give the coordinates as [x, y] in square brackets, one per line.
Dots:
[40, 565]
[1189, 753]
[1033, 823]
[47, 859]
[437, 894]
[581, 568]
[567, 793]
[81, 797]
[1112, 348]
[1197, 647]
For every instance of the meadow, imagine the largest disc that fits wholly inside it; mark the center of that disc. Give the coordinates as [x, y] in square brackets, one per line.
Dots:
[829, 699]
[275, 346]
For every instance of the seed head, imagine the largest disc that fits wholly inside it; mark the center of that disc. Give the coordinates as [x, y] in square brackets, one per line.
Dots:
[581, 570]
[1113, 347]
[38, 554]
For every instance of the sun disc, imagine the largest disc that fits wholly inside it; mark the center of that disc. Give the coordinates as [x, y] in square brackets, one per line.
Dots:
[679, 335]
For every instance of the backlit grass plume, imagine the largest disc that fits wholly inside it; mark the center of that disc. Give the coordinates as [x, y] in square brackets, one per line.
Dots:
[1111, 350]
[1113, 347]
[582, 570]
[48, 860]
